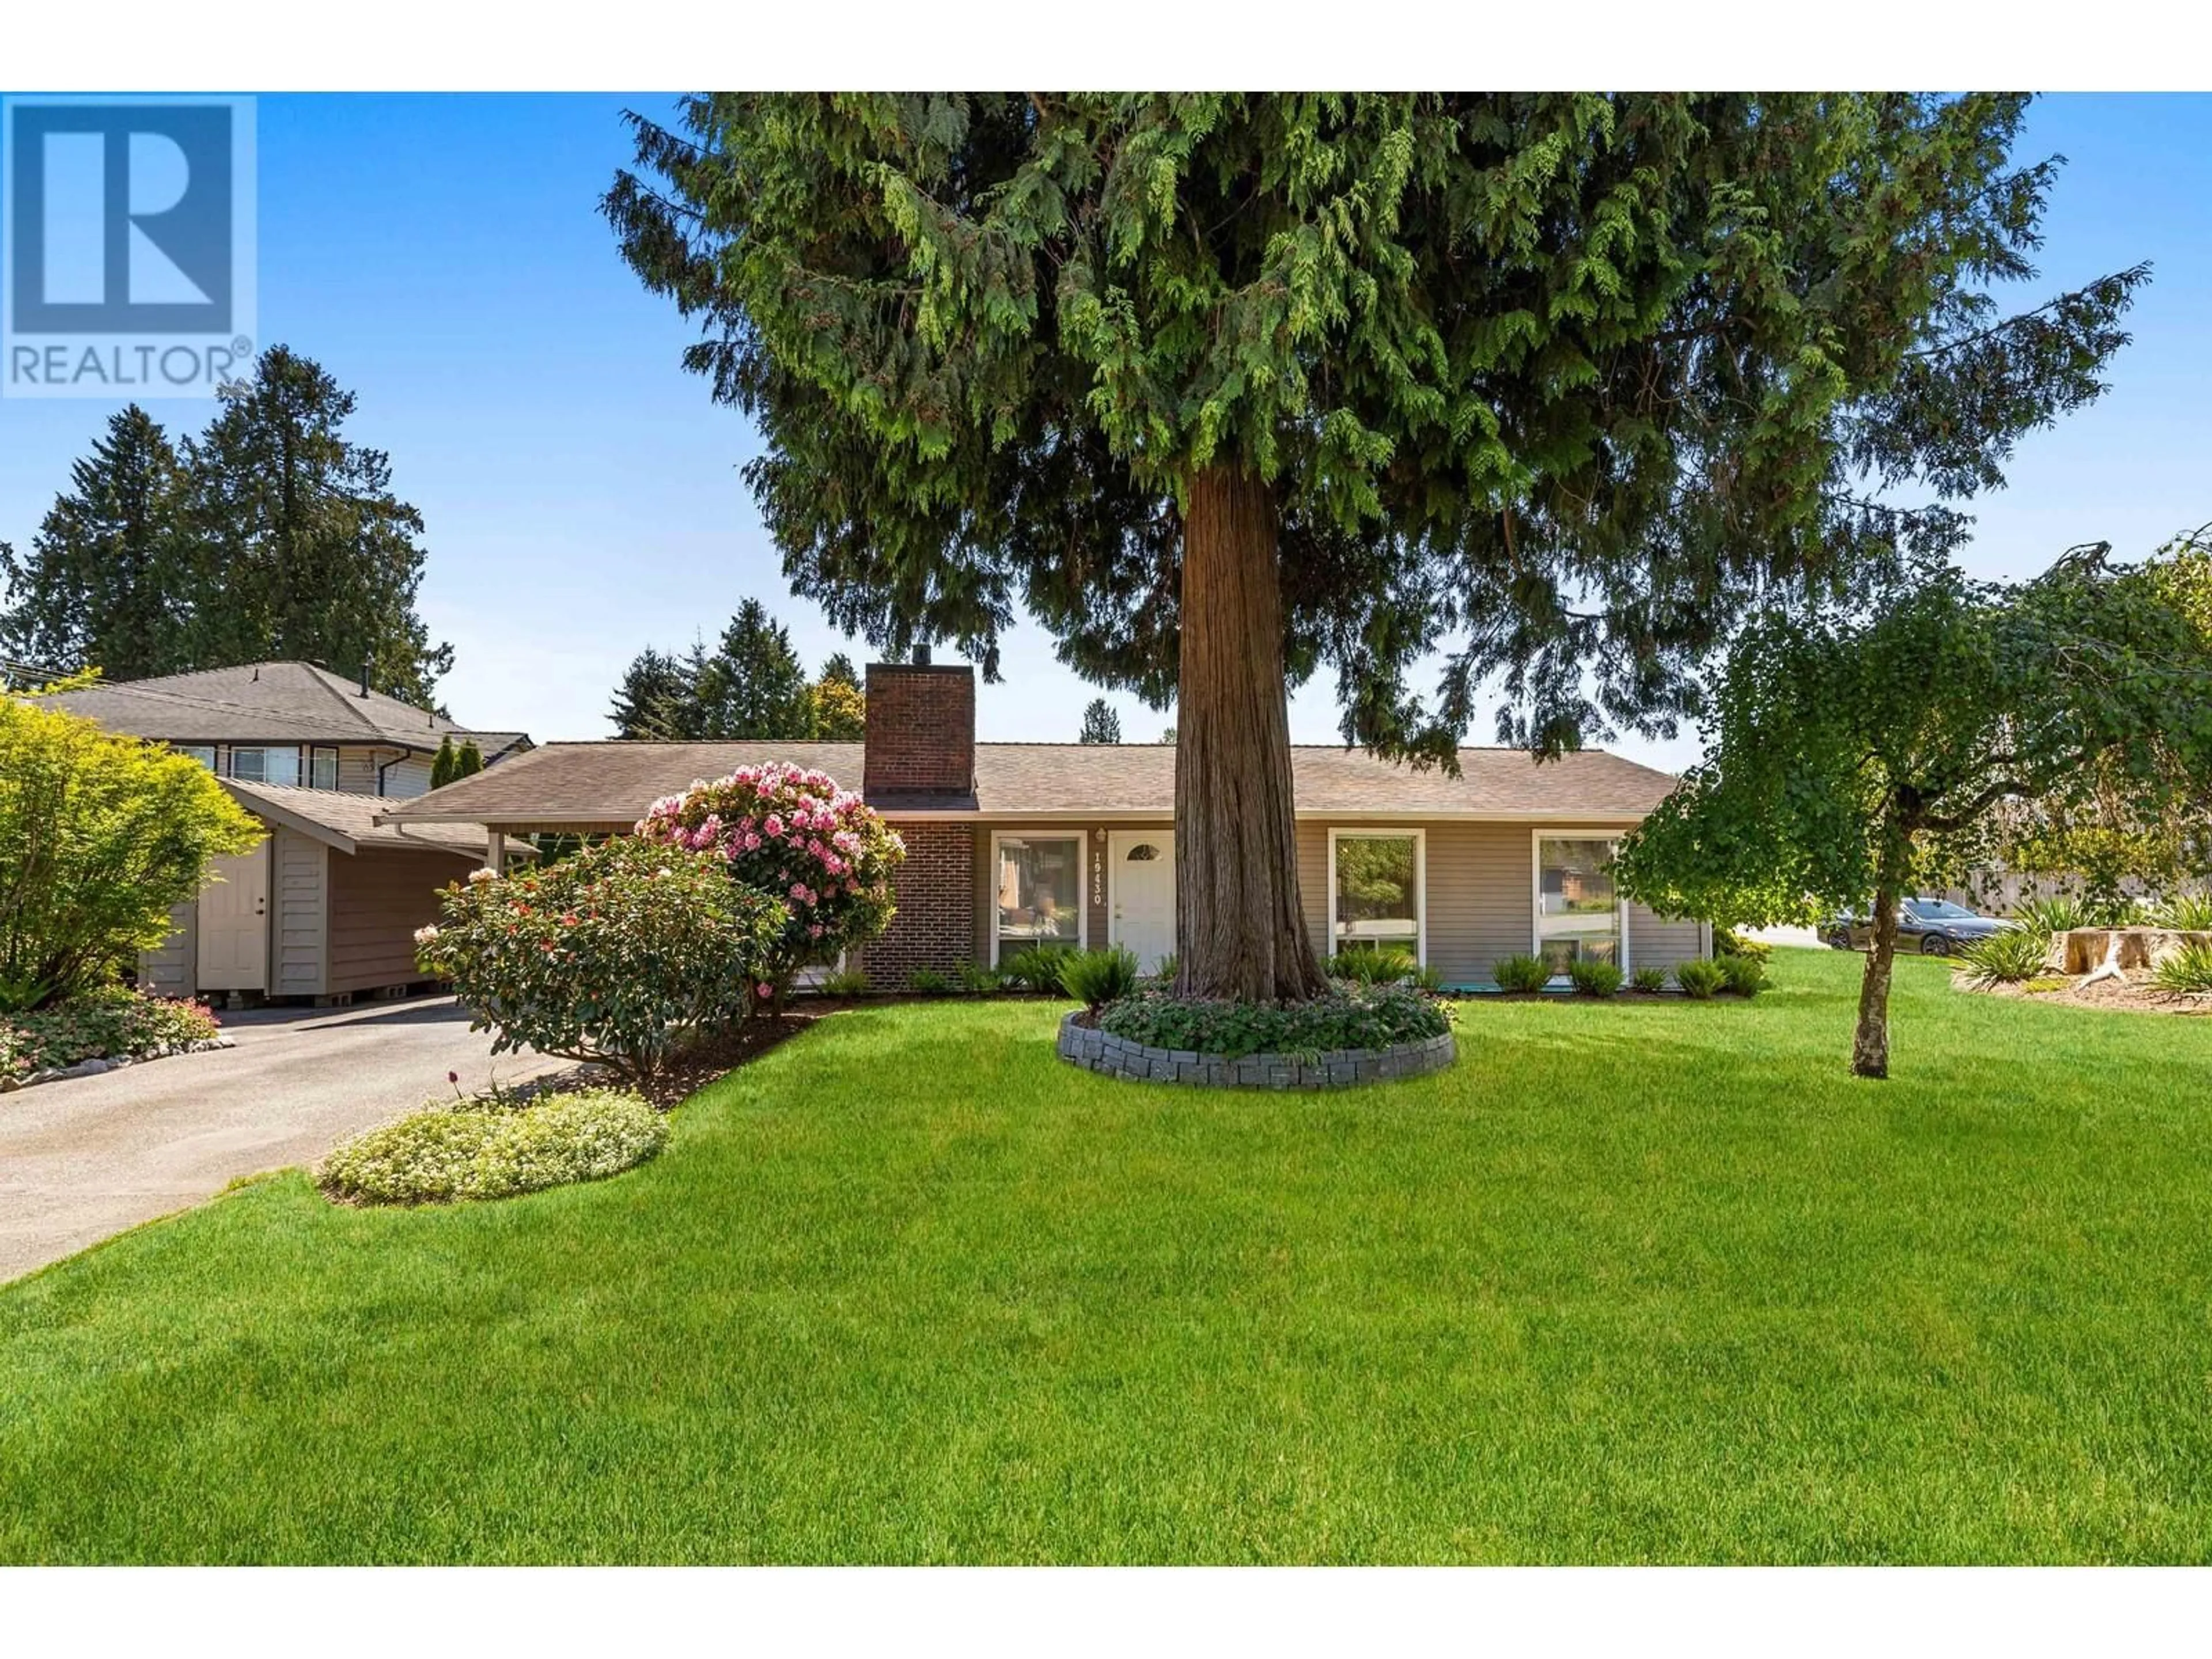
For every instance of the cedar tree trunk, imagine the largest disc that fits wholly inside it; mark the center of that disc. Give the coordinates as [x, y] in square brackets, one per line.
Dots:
[1870, 1045]
[1240, 932]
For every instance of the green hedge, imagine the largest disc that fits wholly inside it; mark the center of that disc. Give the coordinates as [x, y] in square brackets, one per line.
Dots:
[495, 1149]
[1349, 1017]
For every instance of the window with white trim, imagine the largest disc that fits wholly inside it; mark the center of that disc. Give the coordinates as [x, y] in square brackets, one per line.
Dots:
[202, 752]
[1578, 905]
[1037, 887]
[278, 766]
[322, 769]
[1375, 880]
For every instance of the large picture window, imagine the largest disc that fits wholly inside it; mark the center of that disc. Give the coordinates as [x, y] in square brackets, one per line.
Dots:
[1577, 906]
[280, 766]
[1037, 885]
[1375, 890]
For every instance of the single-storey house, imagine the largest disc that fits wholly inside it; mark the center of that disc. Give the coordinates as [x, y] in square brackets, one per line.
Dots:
[1012, 843]
[326, 908]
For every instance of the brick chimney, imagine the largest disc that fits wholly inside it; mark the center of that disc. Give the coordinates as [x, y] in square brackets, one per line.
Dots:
[921, 731]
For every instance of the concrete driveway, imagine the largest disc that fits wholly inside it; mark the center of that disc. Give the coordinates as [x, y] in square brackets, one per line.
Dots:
[82, 1158]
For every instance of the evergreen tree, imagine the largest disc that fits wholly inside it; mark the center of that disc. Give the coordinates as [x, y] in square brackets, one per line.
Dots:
[301, 548]
[470, 761]
[1227, 387]
[839, 668]
[1100, 723]
[445, 764]
[655, 699]
[753, 685]
[108, 582]
[1168, 735]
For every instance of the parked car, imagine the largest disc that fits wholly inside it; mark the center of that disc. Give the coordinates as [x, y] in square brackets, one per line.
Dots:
[1934, 927]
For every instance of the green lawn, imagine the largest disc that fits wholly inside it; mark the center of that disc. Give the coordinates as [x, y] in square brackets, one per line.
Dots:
[1632, 1282]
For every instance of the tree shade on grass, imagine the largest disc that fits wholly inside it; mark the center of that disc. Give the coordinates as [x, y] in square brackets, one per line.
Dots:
[1632, 1281]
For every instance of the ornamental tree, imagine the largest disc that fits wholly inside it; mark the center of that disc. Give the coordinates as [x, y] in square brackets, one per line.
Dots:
[791, 832]
[612, 956]
[1851, 755]
[100, 836]
[1224, 388]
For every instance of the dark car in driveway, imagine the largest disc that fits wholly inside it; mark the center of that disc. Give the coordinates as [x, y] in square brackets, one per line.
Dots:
[1933, 927]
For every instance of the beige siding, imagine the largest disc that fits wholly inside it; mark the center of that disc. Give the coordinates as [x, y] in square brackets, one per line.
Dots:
[1479, 894]
[172, 967]
[357, 769]
[378, 898]
[408, 778]
[1660, 942]
[298, 882]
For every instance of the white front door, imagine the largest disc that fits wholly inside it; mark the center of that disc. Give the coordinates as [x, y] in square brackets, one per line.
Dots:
[234, 924]
[1141, 883]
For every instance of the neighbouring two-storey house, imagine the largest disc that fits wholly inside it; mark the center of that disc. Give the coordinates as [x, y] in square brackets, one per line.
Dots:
[326, 908]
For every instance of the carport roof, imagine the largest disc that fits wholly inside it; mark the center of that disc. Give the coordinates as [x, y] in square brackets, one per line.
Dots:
[349, 823]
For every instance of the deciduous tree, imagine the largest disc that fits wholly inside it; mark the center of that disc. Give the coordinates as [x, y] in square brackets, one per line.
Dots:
[1223, 388]
[1851, 755]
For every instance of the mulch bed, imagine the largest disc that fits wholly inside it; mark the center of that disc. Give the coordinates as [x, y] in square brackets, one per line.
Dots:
[2133, 993]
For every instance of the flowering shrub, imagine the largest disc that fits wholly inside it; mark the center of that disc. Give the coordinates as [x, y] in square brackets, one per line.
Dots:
[611, 955]
[793, 833]
[104, 1024]
[493, 1148]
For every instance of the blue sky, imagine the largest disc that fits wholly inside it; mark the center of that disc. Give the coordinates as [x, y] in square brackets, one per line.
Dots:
[443, 257]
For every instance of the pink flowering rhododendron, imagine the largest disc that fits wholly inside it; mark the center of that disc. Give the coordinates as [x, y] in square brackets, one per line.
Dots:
[791, 831]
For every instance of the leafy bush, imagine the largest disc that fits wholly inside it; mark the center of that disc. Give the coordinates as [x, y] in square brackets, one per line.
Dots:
[1036, 968]
[2006, 958]
[843, 982]
[2187, 913]
[1094, 978]
[1372, 965]
[1351, 1016]
[610, 956]
[108, 1023]
[1169, 965]
[495, 1149]
[1428, 979]
[1698, 978]
[2059, 914]
[978, 979]
[1744, 976]
[786, 830]
[932, 982]
[1521, 974]
[2189, 968]
[1650, 981]
[1727, 942]
[2067, 911]
[100, 836]
[1592, 978]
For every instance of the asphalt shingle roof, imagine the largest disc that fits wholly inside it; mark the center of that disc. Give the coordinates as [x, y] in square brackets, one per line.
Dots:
[266, 702]
[612, 782]
[348, 822]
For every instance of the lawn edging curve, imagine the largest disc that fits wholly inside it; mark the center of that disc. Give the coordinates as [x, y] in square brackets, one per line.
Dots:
[1103, 1051]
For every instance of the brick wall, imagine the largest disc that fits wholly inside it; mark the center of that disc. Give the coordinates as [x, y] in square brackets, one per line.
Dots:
[935, 926]
[921, 730]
